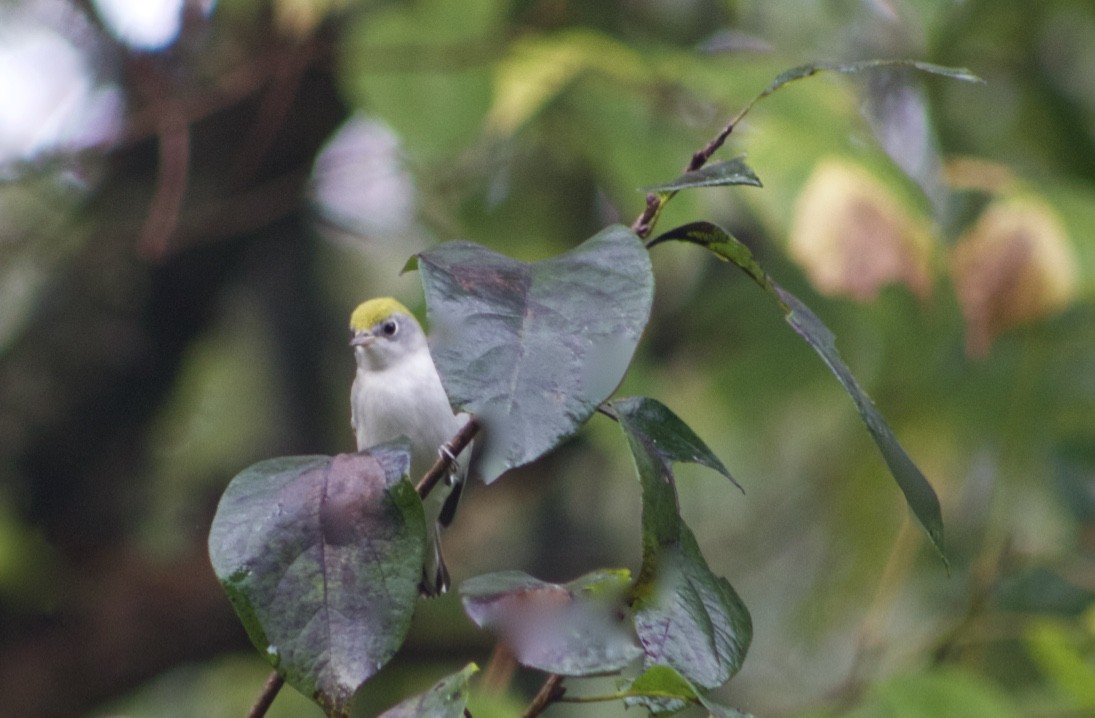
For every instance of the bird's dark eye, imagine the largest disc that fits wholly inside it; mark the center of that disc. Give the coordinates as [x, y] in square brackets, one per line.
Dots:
[389, 328]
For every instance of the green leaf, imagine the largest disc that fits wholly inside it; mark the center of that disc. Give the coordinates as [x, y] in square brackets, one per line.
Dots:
[684, 615]
[532, 349]
[1062, 651]
[575, 629]
[446, 699]
[718, 174]
[689, 618]
[423, 68]
[321, 558]
[538, 68]
[665, 433]
[945, 691]
[662, 689]
[810, 69]
[813, 68]
[721, 243]
[918, 492]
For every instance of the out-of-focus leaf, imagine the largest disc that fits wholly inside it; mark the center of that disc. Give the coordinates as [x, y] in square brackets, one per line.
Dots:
[532, 349]
[1064, 655]
[665, 433]
[1014, 266]
[299, 18]
[718, 174]
[918, 492]
[1042, 590]
[896, 105]
[321, 558]
[1074, 476]
[948, 692]
[575, 629]
[685, 616]
[853, 236]
[446, 699]
[537, 68]
[424, 68]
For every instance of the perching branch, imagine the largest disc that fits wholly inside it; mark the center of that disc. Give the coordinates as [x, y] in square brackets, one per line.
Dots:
[551, 691]
[266, 698]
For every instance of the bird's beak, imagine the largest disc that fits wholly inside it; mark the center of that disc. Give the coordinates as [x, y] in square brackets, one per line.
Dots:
[361, 339]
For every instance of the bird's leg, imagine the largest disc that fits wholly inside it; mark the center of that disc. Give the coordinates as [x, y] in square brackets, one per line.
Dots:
[445, 452]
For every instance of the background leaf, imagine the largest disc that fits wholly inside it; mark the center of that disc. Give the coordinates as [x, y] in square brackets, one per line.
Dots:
[436, 94]
[321, 558]
[530, 348]
[945, 691]
[573, 630]
[446, 699]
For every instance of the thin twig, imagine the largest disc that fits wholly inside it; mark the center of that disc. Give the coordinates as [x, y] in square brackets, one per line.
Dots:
[655, 201]
[266, 698]
[551, 691]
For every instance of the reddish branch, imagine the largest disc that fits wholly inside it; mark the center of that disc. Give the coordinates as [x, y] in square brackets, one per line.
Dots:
[266, 698]
[654, 202]
[551, 691]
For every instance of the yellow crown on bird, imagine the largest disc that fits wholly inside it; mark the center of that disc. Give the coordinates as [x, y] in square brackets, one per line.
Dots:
[369, 314]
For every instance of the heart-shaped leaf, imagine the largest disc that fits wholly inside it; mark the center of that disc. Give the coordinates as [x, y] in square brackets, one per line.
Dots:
[918, 492]
[446, 699]
[573, 630]
[533, 349]
[321, 558]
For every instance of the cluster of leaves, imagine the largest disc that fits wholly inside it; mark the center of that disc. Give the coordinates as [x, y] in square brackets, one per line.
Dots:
[321, 555]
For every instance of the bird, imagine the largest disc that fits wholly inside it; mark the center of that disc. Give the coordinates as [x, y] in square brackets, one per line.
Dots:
[397, 392]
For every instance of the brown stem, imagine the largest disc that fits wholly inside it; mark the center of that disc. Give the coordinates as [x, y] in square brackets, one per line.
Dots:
[266, 698]
[551, 691]
[654, 202]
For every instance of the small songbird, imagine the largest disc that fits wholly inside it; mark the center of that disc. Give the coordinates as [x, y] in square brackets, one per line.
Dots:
[397, 393]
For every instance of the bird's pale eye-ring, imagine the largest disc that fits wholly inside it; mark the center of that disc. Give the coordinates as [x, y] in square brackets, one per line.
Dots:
[389, 327]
